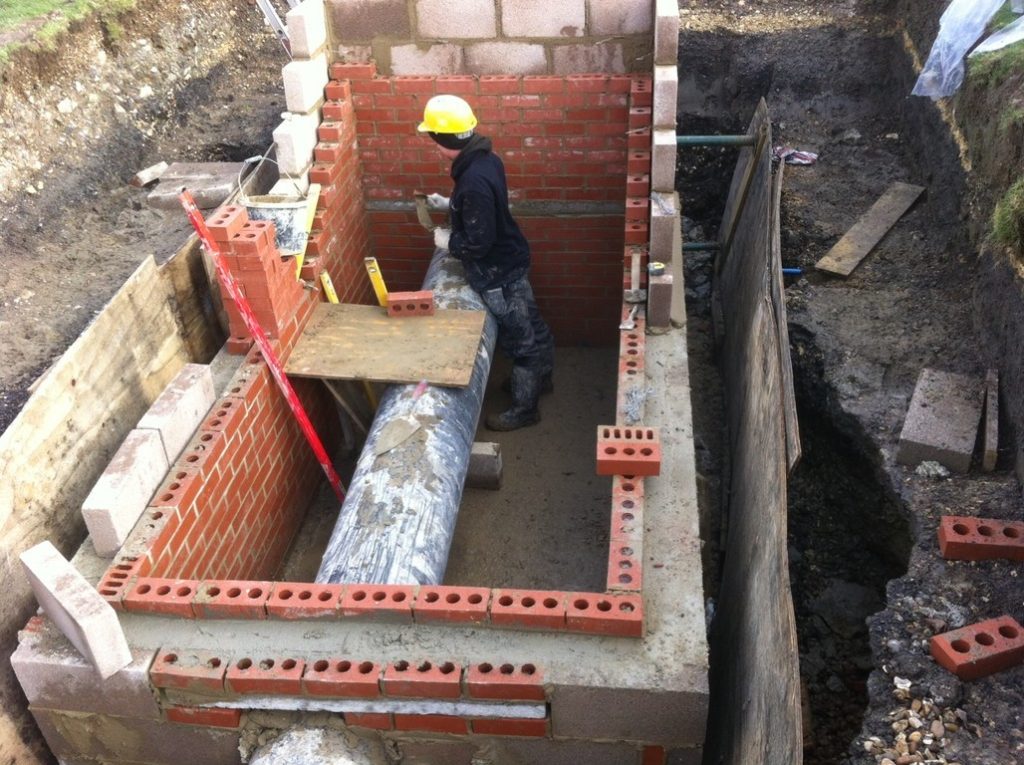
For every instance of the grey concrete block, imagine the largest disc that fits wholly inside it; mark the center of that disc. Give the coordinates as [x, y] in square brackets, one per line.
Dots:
[583, 59]
[296, 138]
[664, 212]
[435, 60]
[666, 91]
[181, 407]
[620, 17]
[485, 466]
[122, 739]
[53, 675]
[307, 28]
[942, 420]
[991, 442]
[689, 756]
[423, 751]
[124, 489]
[352, 20]
[663, 160]
[81, 613]
[659, 301]
[675, 719]
[666, 32]
[550, 752]
[542, 18]
[456, 19]
[506, 58]
[304, 82]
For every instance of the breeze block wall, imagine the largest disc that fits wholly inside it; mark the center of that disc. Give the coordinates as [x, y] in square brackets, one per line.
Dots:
[565, 143]
[443, 37]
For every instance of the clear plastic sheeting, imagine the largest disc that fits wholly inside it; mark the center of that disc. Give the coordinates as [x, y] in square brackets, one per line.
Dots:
[962, 23]
[1008, 35]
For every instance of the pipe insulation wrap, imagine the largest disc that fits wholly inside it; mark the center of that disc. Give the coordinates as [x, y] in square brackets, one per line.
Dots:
[397, 522]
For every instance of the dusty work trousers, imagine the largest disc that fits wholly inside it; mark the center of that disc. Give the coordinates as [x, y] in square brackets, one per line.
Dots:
[523, 335]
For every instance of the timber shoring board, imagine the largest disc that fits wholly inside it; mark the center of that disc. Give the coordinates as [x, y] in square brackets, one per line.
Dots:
[793, 448]
[344, 341]
[64, 436]
[755, 680]
[867, 232]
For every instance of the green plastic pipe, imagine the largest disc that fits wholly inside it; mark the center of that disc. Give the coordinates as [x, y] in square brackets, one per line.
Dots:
[715, 140]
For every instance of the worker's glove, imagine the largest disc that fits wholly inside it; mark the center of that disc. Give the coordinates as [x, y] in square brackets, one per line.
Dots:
[441, 237]
[438, 202]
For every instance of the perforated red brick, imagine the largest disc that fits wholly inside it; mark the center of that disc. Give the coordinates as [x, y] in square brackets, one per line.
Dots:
[379, 601]
[423, 679]
[605, 614]
[226, 222]
[342, 678]
[637, 208]
[507, 681]
[227, 599]
[638, 185]
[115, 582]
[625, 566]
[293, 600]
[167, 597]
[627, 509]
[638, 162]
[626, 450]
[980, 649]
[432, 723]
[451, 604]
[639, 140]
[641, 92]
[528, 609]
[636, 233]
[967, 538]
[200, 671]
[403, 304]
[274, 675]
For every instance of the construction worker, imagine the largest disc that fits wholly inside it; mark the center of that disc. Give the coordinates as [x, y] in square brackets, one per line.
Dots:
[494, 253]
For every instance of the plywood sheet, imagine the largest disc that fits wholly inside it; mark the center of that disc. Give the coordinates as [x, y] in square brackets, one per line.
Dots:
[856, 243]
[359, 342]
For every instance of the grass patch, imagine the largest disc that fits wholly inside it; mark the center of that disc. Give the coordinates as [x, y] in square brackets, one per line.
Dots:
[1004, 17]
[58, 14]
[1008, 218]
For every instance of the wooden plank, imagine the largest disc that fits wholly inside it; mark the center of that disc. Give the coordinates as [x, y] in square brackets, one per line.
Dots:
[991, 440]
[195, 301]
[867, 232]
[360, 342]
[793, 448]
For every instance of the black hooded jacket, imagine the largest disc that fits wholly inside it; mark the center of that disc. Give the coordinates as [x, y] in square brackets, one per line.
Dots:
[484, 236]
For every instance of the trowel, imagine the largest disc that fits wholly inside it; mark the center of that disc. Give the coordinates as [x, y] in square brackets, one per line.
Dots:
[400, 429]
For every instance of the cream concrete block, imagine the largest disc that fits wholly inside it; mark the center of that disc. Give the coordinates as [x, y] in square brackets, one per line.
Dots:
[307, 28]
[459, 19]
[353, 54]
[81, 613]
[506, 58]
[124, 489]
[296, 138]
[584, 59]
[291, 185]
[304, 83]
[666, 92]
[620, 17]
[177, 411]
[666, 32]
[664, 211]
[437, 59]
[542, 18]
[663, 160]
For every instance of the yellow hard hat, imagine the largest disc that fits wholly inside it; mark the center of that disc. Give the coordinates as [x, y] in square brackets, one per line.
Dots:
[448, 114]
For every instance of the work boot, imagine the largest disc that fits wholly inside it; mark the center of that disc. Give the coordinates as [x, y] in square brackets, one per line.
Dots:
[526, 385]
[547, 384]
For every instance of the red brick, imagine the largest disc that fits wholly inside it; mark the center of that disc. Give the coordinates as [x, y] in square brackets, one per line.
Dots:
[543, 84]
[293, 600]
[422, 680]
[411, 304]
[641, 92]
[220, 599]
[625, 566]
[587, 83]
[330, 132]
[980, 649]
[638, 186]
[388, 601]
[505, 681]
[605, 614]
[451, 604]
[414, 84]
[654, 755]
[209, 716]
[280, 675]
[168, 597]
[115, 582]
[372, 720]
[463, 85]
[637, 208]
[338, 91]
[638, 162]
[639, 139]
[226, 222]
[498, 84]
[529, 609]
[342, 678]
[432, 723]
[511, 726]
[625, 450]
[636, 233]
[967, 538]
[353, 71]
[199, 671]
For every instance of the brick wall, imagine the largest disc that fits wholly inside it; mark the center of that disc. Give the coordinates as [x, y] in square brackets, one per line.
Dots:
[563, 140]
[488, 37]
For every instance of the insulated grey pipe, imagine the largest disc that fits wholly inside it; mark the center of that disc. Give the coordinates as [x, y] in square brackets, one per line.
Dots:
[715, 140]
[397, 522]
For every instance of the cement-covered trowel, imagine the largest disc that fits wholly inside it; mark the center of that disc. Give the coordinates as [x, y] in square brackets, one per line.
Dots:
[401, 428]
[423, 211]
